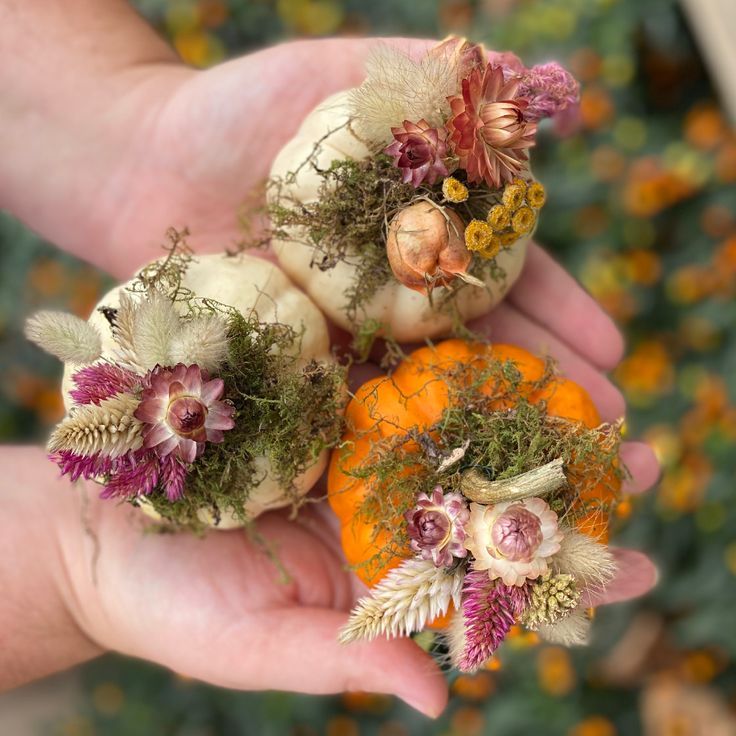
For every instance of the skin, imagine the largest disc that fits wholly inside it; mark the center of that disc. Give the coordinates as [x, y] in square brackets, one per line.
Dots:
[147, 144]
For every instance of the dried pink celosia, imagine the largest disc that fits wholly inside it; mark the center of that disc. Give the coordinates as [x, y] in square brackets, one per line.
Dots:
[489, 610]
[487, 129]
[182, 411]
[549, 89]
[97, 382]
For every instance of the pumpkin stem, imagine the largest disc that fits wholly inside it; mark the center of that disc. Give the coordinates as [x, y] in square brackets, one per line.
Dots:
[541, 481]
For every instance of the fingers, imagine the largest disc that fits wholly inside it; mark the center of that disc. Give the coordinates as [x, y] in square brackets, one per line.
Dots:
[509, 324]
[641, 462]
[546, 293]
[298, 650]
[636, 575]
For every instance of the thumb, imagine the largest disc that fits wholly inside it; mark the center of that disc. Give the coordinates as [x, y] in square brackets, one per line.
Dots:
[635, 576]
[299, 651]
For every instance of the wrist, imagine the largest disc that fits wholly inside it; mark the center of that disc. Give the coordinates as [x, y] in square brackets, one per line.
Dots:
[39, 630]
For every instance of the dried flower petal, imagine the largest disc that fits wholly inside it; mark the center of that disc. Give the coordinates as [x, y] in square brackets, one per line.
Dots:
[487, 128]
[436, 527]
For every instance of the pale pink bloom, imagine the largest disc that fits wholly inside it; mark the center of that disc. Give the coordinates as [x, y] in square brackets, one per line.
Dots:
[513, 540]
[181, 411]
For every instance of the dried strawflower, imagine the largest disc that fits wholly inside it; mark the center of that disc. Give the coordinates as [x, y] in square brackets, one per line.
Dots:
[181, 410]
[480, 238]
[513, 195]
[436, 527]
[489, 610]
[513, 540]
[418, 151]
[487, 128]
[409, 597]
[425, 247]
[523, 220]
[551, 598]
[453, 190]
[108, 428]
[69, 338]
[499, 217]
[536, 195]
[549, 89]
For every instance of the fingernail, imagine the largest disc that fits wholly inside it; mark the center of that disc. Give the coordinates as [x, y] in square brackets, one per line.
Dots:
[431, 710]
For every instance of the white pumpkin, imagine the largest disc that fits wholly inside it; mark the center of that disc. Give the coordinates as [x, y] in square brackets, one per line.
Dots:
[406, 314]
[251, 285]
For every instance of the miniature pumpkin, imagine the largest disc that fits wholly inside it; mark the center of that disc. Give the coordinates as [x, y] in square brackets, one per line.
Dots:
[413, 400]
[253, 286]
[406, 314]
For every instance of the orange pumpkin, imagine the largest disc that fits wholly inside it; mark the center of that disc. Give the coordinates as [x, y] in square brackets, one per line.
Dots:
[416, 396]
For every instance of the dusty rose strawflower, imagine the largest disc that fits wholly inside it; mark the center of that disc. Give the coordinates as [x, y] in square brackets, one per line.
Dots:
[181, 411]
[487, 129]
[418, 151]
[549, 89]
[513, 540]
[490, 609]
[436, 526]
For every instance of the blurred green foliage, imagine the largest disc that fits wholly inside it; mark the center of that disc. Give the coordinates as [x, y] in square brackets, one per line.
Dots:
[642, 208]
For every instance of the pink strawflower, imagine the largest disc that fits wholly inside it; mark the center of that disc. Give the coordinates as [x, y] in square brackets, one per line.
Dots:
[182, 411]
[100, 381]
[513, 540]
[549, 89]
[487, 129]
[418, 151]
[436, 527]
[490, 608]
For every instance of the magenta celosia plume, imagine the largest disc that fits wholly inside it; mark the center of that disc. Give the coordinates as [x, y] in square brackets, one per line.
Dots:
[100, 381]
[549, 89]
[490, 609]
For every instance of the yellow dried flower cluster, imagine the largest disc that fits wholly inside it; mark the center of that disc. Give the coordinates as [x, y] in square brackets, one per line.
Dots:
[479, 237]
[515, 216]
[453, 190]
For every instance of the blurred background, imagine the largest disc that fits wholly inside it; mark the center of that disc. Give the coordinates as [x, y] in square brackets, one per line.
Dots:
[642, 209]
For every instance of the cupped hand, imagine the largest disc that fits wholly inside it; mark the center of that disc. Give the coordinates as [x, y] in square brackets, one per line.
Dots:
[194, 145]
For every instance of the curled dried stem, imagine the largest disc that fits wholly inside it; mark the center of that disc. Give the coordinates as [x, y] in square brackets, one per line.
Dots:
[541, 481]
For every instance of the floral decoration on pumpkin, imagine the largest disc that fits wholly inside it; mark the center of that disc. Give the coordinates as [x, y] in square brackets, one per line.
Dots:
[185, 393]
[455, 129]
[487, 548]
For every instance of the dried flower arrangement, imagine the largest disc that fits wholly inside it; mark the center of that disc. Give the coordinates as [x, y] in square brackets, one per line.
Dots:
[473, 487]
[202, 391]
[407, 203]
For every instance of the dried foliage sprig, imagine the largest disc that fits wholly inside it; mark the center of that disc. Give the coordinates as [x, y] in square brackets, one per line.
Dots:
[409, 597]
[108, 428]
[573, 630]
[589, 562]
[398, 88]
[69, 338]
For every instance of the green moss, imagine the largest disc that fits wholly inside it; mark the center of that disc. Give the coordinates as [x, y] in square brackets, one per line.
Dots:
[501, 442]
[286, 412]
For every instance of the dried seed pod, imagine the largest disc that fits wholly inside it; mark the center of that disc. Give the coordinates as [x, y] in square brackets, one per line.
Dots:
[425, 247]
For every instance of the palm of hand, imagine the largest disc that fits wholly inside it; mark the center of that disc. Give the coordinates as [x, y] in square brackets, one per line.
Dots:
[214, 608]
